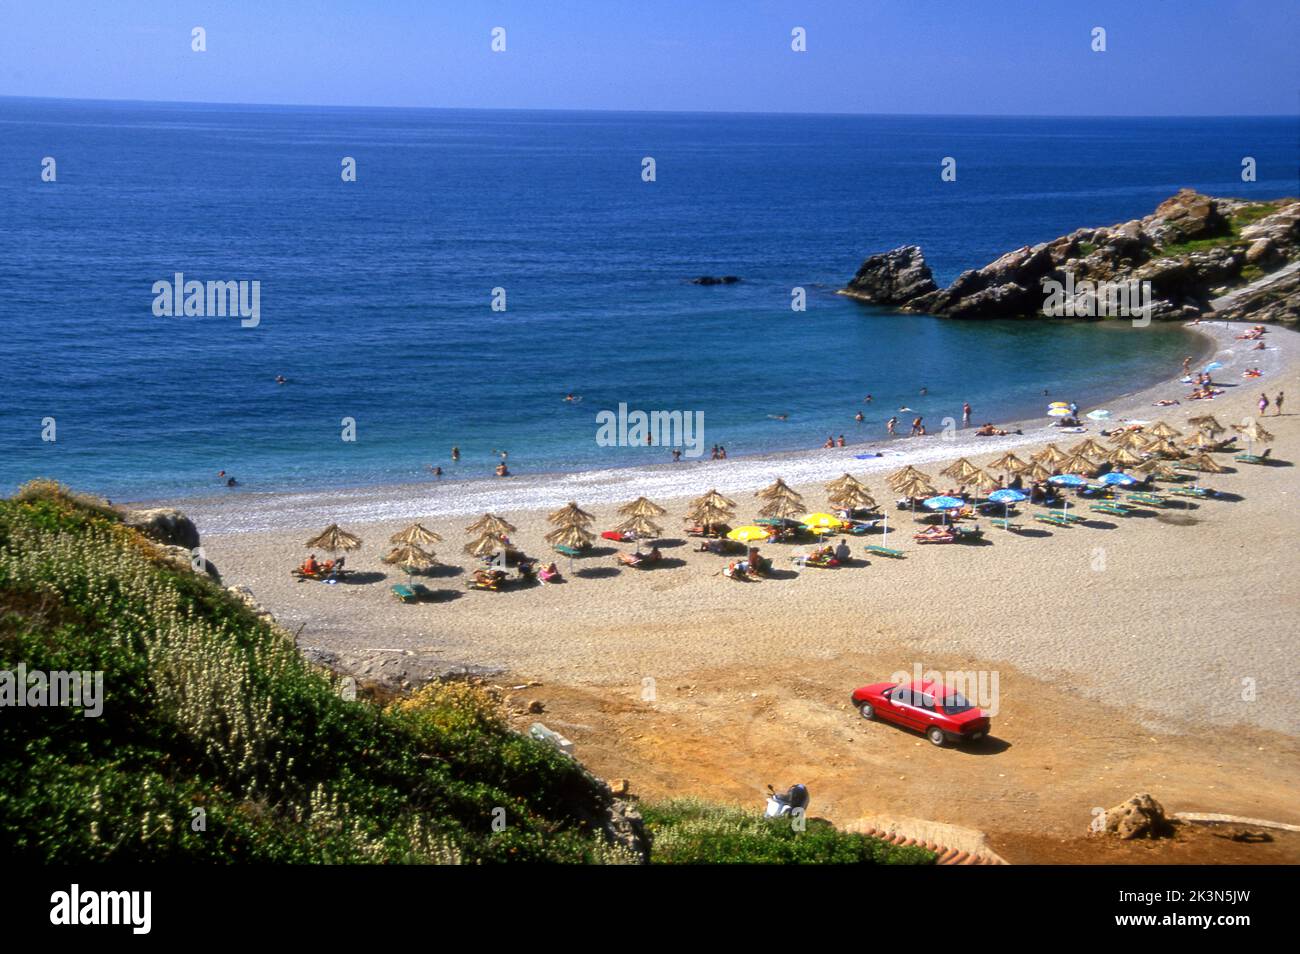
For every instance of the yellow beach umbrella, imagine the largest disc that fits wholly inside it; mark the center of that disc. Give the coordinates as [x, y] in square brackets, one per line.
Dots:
[749, 534]
[824, 521]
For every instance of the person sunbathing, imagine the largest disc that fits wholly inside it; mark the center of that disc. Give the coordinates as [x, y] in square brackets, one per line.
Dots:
[310, 566]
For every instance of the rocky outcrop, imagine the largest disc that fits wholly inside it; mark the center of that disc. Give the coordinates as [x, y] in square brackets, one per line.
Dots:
[164, 525]
[392, 671]
[893, 278]
[1136, 269]
[1139, 817]
[715, 280]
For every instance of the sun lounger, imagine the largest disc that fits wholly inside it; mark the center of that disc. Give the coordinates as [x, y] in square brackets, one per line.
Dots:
[967, 534]
[1148, 500]
[878, 550]
[1053, 518]
[1115, 510]
[1004, 522]
[1254, 458]
[404, 593]
[568, 551]
[1200, 493]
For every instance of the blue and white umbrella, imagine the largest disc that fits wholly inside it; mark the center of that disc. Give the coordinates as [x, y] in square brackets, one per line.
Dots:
[1007, 496]
[1212, 366]
[944, 503]
[1116, 478]
[1067, 480]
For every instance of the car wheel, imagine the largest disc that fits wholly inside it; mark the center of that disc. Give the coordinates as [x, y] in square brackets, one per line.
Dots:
[935, 735]
[867, 711]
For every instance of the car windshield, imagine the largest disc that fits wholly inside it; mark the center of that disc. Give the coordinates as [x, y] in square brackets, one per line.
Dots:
[955, 702]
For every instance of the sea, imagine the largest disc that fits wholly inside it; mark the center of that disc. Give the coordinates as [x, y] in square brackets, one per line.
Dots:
[481, 266]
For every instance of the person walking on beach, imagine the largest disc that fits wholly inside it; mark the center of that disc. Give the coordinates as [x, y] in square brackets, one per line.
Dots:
[1263, 404]
[965, 414]
[1187, 365]
[1277, 403]
[891, 424]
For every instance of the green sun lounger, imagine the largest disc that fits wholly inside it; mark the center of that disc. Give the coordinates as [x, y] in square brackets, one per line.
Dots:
[1250, 459]
[1200, 493]
[878, 550]
[404, 593]
[1053, 518]
[1150, 500]
[568, 551]
[1115, 510]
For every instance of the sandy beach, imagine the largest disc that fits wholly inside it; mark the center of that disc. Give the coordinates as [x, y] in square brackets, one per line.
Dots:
[1176, 626]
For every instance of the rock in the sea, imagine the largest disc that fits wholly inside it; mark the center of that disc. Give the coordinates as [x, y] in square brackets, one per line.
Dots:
[164, 525]
[1139, 817]
[893, 278]
[1109, 265]
[715, 280]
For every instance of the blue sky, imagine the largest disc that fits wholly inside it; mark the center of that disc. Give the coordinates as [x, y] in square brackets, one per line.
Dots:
[1193, 57]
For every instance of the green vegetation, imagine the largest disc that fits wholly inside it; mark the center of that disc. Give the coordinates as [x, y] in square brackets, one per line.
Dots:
[205, 707]
[217, 742]
[1239, 220]
[688, 832]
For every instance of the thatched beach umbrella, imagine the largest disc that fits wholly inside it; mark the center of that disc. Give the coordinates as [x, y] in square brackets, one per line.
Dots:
[1157, 468]
[410, 558]
[714, 499]
[853, 498]
[1165, 448]
[333, 539]
[1201, 441]
[1036, 471]
[1090, 448]
[709, 512]
[1079, 464]
[1207, 423]
[1161, 429]
[779, 488]
[570, 514]
[846, 480]
[491, 523]
[783, 508]
[960, 470]
[415, 534]
[1254, 434]
[573, 536]
[486, 544]
[915, 488]
[1202, 462]
[983, 482]
[1124, 457]
[1008, 463]
[1051, 456]
[641, 507]
[641, 527]
[900, 477]
[1133, 440]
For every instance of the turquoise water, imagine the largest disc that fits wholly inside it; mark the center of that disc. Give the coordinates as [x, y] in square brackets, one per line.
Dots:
[375, 295]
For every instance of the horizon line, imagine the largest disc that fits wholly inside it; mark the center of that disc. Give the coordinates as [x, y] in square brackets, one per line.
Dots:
[700, 112]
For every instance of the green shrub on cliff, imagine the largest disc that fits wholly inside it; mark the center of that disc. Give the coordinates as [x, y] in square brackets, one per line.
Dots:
[690, 832]
[211, 720]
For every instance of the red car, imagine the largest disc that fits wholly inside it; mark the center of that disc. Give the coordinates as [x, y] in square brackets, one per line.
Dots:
[944, 715]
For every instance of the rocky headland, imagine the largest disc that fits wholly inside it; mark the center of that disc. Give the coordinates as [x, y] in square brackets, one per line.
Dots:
[1194, 256]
